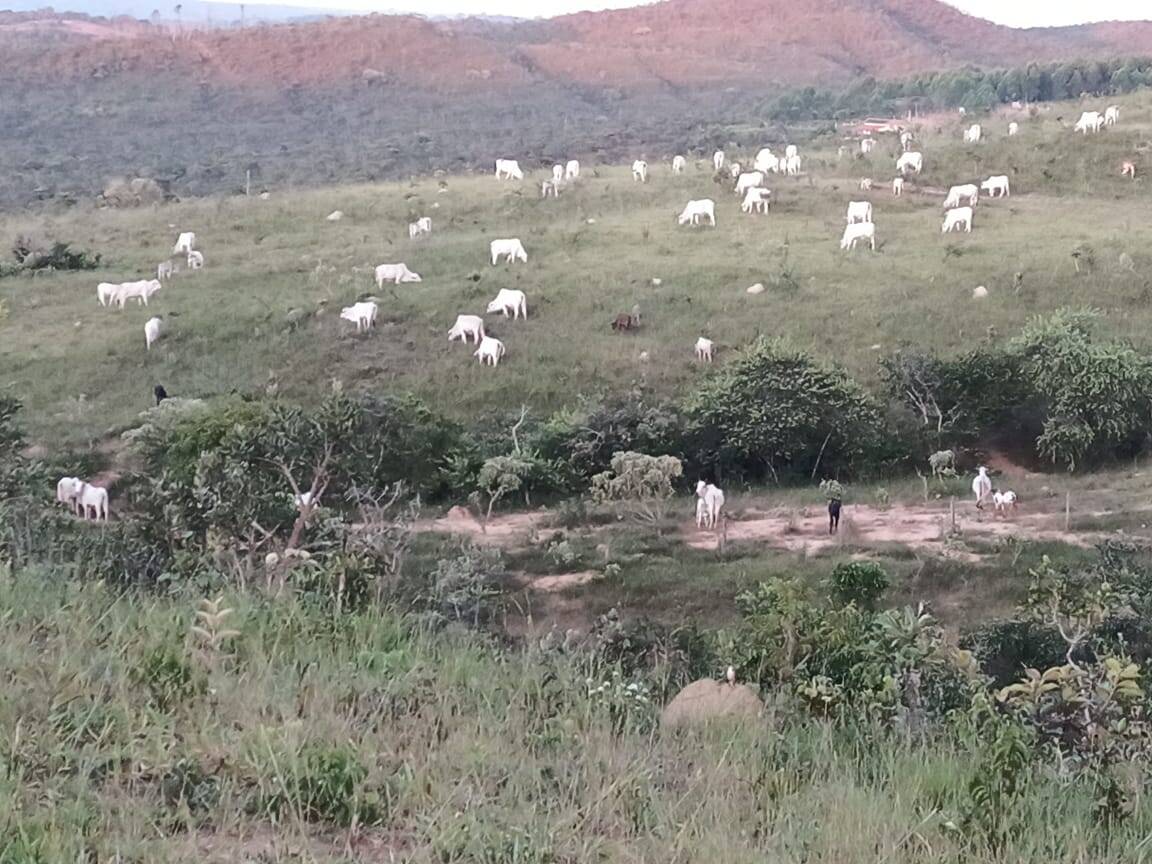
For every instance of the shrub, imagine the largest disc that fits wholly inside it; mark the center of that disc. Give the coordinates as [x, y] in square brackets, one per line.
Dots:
[328, 785]
[58, 256]
[859, 582]
[639, 485]
[773, 411]
[1004, 649]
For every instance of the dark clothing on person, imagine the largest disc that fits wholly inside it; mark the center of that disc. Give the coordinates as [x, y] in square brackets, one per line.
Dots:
[833, 515]
[161, 393]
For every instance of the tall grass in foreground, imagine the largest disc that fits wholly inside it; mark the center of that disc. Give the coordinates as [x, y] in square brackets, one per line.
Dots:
[126, 735]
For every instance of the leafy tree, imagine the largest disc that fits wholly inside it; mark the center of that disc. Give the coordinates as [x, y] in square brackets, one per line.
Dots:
[859, 582]
[638, 484]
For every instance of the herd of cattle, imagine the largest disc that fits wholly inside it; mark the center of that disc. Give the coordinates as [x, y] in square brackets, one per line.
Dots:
[755, 197]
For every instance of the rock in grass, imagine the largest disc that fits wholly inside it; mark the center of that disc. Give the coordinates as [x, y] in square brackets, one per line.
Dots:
[706, 700]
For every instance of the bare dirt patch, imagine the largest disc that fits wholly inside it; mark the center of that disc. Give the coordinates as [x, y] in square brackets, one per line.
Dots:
[512, 529]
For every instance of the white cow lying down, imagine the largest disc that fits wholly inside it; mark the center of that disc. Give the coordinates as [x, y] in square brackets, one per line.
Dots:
[957, 193]
[510, 300]
[956, 219]
[395, 273]
[859, 231]
[698, 210]
[362, 314]
[508, 169]
[490, 351]
[510, 248]
[996, 186]
[467, 328]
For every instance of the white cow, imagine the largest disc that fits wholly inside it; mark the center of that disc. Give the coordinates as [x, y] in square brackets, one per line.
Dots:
[550, 187]
[679, 163]
[898, 186]
[511, 248]
[790, 151]
[709, 505]
[1013, 128]
[907, 139]
[510, 300]
[792, 166]
[557, 173]
[1090, 121]
[94, 498]
[734, 170]
[704, 349]
[757, 200]
[859, 231]
[765, 161]
[508, 169]
[957, 193]
[490, 351]
[973, 134]
[141, 290]
[395, 273]
[867, 145]
[106, 292]
[423, 225]
[865, 184]
[362, 314]
[981, 486]
[153, 327]
[164, 270]
[185, 243]
[749, 180]
[956, 219]
[1002, 502]
[68, 492]
[572, 170]
[696, 211]
[996, 186]
[912, 161]
[1111, 115]
[640, 171]
[859, 211]
[195, 260]
[718, 160]
[467, 328]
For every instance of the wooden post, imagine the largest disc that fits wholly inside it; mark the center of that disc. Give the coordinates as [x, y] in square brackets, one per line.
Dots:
[1067, 511]
[248, 183]
[952, 512]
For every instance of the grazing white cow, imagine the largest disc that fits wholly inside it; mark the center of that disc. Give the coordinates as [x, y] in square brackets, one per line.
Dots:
[511, 248]
[195, 260]
[865, 184]
[395, 273]
[749, 180]
[704, 349]
[957, 193]
[510, 300]
[973, 134]
[709, 505]
[185, 243]
[898, 186]
[423, 225]
[859, 231]
[859, 211]
[572, 170]
[912, 161]
[94, 498]
[907, 139]
[1111, 115]
[958, 218]
[68, 492]
[490, 351]
[981, 486]
[679, 163]
[508, 169]
[792, 166]
[790, 151]
[698, 210]
[557, 173]
[164, 270]
[106, 292]
[996, 186]
[757, 200]
[1003, 502]
[765, 161]
[640, 171]
[362, 314]
[867, 145]
[550, 187]
[1090, 121]
[153, 327]
[467, 328]
[718, 160]
[140, 290]
[1013, 128]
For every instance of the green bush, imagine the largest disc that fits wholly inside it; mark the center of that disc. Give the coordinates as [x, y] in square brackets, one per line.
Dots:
[327, 785]
[859, 582]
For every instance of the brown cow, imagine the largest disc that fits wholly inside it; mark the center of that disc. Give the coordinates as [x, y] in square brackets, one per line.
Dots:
[625, 322]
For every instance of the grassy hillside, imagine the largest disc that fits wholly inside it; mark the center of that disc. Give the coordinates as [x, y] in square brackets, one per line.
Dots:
[593, 253]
